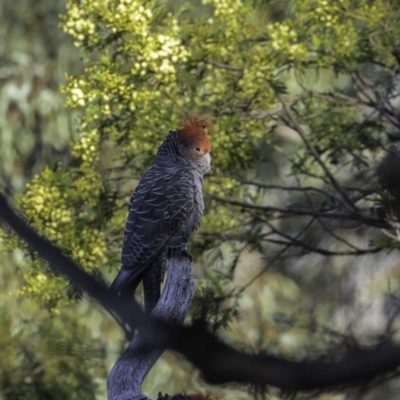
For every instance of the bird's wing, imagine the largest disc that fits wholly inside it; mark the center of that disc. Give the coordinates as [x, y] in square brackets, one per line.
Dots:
[159, 206]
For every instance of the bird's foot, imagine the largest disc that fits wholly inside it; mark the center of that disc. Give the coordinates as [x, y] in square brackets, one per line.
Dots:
[185, 253]
[181, 253]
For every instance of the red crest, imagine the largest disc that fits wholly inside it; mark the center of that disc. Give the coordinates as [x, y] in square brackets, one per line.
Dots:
[192, 131]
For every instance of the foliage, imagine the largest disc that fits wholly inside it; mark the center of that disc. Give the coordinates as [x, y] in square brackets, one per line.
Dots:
[43, 361]
[146, 66]
[43, 355]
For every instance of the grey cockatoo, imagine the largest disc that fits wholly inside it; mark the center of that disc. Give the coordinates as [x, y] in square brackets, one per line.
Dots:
[164, 210]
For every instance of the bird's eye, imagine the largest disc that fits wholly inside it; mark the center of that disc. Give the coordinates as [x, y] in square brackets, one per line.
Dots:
[197, 148]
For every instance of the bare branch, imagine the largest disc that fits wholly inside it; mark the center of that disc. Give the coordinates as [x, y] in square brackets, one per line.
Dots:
[325, 213]
[313, 151]
[370, 97]
[329, 230]
[286, 188]
[297, 243]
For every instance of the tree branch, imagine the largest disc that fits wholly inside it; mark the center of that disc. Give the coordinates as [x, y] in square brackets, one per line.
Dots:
[323, 213]
[225, 66]
[315, 154]
[218, 362]
[128, 373]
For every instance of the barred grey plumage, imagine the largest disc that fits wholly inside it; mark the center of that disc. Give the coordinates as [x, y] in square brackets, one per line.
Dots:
[164, 210]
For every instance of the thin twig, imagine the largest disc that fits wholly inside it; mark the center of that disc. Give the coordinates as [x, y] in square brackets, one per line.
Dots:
[225, 66]
[315, 154]
[296, 211]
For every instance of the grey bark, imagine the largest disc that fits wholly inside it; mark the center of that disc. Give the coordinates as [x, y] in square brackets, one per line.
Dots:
[128, 373]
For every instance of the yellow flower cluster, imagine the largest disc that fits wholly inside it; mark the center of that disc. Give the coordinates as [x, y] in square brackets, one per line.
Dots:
[153, 52]
[153, 87]
[87, 148]
[47, 204]
[48, 291]
[347, 38]
[76, 91]
[326, 12]
[285, 39]
[336, 35]
[225, 7]
[10, 242]
[214, 88]
[338, 32]
[91, 251]
[230, 21]
[255, 75]
[375, 12]
[77, 23]
[159, 54]
[132, 14]
[219, 219]
[89, 186]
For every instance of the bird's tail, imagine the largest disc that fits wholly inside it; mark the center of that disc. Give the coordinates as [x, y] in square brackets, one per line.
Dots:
[152, 279]
[126, 282]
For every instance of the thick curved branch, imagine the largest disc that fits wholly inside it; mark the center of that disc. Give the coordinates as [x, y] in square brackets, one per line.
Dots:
[218, 362]
[128, 373]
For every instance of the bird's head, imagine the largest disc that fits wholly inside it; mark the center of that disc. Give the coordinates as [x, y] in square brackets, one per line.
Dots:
[193, 140]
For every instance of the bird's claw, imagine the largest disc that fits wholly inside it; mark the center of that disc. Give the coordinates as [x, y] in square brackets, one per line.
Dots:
[180, 253]
[185, 253]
